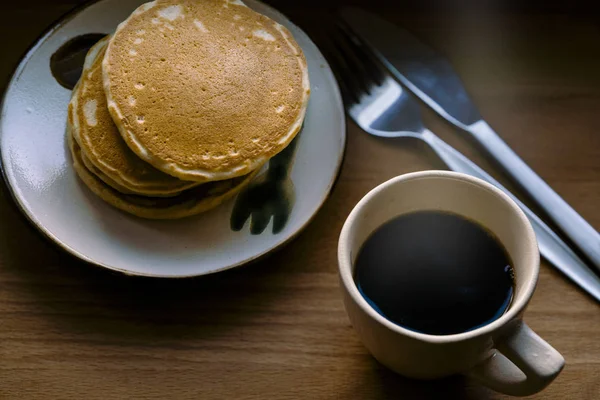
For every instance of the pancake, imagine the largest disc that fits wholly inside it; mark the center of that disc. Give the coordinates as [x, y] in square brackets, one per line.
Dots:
[86, 161]
[99, 174]
[191, 202]
[102, 145]
[205, 90]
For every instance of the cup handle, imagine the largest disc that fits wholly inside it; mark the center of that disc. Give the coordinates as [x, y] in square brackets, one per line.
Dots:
[521, 364]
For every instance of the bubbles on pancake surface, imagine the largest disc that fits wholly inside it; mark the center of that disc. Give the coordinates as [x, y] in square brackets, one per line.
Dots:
[200, 25]
[171, 13]
[89, 110]
[260, 33]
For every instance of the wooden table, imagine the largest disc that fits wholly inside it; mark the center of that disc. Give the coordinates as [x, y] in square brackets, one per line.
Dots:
[277, 329]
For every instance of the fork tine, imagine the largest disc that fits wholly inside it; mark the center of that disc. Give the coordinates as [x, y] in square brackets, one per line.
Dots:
[352, 63]
[350, 92]
[362, 53]
[352, 76]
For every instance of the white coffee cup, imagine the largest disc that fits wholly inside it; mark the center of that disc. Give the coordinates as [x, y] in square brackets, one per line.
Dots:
[505, 355]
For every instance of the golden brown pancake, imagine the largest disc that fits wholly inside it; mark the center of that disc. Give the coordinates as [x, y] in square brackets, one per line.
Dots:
[102, 145]
[193, 201]
[205, 90]
[99, 174]
[86, 161]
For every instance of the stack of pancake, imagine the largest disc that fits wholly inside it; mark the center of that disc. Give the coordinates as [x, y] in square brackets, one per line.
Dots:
[179, 108]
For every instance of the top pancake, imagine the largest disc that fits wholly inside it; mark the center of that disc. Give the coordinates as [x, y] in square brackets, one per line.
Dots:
[205, 90]
[99, 138]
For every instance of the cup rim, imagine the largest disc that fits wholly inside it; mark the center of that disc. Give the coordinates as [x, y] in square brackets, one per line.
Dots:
[345, 264]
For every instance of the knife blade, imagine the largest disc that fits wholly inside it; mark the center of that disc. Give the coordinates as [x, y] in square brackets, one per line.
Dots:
[433, 79]
[551, 247]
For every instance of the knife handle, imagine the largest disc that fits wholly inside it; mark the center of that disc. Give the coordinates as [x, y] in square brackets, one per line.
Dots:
[581, 233]
[551, 246]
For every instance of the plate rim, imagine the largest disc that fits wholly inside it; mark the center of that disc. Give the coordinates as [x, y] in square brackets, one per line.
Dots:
[41, 228]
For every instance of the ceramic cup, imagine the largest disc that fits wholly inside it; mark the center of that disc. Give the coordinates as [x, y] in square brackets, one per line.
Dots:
[505, 355]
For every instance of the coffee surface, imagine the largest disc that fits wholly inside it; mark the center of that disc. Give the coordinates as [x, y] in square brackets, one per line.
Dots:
[436, 273]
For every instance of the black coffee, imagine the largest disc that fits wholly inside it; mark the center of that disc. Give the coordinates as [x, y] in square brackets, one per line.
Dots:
[435, 272]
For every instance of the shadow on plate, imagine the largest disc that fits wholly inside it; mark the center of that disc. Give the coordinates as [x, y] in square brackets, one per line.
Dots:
[270, 196]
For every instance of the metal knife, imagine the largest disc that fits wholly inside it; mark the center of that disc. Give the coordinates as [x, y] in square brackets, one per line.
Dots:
[431, 78]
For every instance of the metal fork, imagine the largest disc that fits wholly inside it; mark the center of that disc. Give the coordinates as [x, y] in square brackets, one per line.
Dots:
[381, 107]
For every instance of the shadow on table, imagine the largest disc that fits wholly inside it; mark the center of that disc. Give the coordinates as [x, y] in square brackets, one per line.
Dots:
[379, 383]
[165, 311]
[456, 387]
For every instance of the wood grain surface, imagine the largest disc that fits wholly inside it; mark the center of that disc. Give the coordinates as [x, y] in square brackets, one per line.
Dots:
[277, 329]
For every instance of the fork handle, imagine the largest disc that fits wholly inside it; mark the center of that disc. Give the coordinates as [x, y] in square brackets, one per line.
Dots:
[551, 246]
[577, 229]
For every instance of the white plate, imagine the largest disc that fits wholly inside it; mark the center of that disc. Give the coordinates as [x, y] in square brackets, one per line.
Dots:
[37, 168]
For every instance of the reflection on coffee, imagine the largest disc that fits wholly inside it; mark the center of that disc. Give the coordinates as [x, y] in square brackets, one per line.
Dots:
[436, 273]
